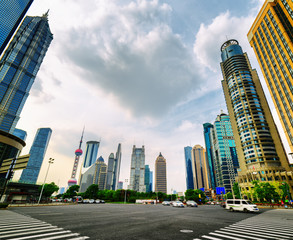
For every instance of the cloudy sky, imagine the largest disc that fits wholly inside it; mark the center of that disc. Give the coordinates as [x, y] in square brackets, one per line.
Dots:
[143, 72]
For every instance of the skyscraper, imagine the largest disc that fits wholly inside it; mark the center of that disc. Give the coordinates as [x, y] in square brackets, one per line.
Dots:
[110, 172]
[117, 167]
[271, 37]
[151, 181]
[100, 175]
[188, 168]
[207, 131]
[78, 153]
[37, 154]
[19, 66]
[199, 168]
[11, 14]
[224, 152]
[88, 168]
[259, 148]
[160, 174]
[20, 134]
[147, 178]
[137, 170]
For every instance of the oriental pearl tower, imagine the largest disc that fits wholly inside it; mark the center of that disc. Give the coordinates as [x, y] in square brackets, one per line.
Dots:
[78, 152]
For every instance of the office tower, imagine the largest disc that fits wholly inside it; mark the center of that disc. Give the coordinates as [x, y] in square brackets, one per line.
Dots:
[137, 170]
[259, 148]
[224, 152]
[117, 167]
[188, 168]
[88, 168]
[120, 185]
[271, 37]
[151, 181]
[19, 66]
[110, 172]
[161, 174]
[61, 190]
[37, 154]
[78, 152]
[20, 134]
[207, 131]
[100, 175]
[11, 14]
[147, 179]
[199, 168]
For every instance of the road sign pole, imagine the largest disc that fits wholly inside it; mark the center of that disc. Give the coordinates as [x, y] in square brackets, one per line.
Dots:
[8, 176]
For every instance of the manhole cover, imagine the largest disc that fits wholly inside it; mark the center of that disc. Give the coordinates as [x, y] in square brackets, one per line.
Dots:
[186, 231]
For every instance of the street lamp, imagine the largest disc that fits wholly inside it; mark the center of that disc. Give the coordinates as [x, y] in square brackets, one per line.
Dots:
[126, 180]
[51, 161]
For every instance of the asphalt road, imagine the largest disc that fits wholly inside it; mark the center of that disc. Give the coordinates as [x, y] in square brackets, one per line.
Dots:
[139, 222]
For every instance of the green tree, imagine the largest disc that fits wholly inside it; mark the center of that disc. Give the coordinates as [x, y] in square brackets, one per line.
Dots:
[236, 190]
[49, 189]
[92, 191]
[228, 195]
[285, 191]
[196, 195]
[265, 192]
[71, 191]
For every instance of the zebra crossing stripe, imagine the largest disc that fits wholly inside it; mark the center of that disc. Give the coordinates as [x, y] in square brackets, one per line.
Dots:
[63, 236]
[43, 235]
[25, 230]
[237, 235]
[22, 227]
[257, 234]
[212, 238]
[29, 232]
[226, 236]
[250, 228]
[264, 226]
[20, 223]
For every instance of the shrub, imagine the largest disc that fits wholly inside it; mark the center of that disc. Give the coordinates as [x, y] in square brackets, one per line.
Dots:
[4, 205]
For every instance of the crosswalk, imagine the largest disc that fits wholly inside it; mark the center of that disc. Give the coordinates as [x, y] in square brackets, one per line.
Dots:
[275, 225]
[14, 226]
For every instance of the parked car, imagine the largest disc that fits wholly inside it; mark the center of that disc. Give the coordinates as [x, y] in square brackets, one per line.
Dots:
[191, 203]
[91, 201]
[178, 204]
[99, 201]
[166, 203]
[85, 201]
[241, 205]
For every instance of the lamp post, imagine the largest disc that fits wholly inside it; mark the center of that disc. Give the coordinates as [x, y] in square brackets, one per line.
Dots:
[51, 161]
[126, 180]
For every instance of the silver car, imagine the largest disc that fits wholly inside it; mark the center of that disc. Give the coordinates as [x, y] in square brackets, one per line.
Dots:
[191, 203]
[178, 204]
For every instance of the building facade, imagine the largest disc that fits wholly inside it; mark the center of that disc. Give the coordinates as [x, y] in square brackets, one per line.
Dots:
[199, 168]
[137, 169]
[110, 172]
[188, 168]
[161, 174]
[259, 148]
[91, 153]
[37, 154]
[20, 134]
[207, 132]
[271, 37]
[19, 66]
[224, 153]
[117, 167]
[100, 176]
[147, 178]
[13, 11]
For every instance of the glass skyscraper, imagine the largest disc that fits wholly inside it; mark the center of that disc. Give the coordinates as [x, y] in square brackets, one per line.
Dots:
[11, 14]
[137, 170]
[147, 178]
[224, 152]
[19, 66]
[188, 168]
[207, 131]
[259, 148]
[110, 172]
[116, 173]
[91, 153]
[20, 133]
[37, 154]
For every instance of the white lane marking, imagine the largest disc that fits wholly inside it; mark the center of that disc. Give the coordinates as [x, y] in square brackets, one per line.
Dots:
[257, 234]
[40, 235]
[275, 228]
[239, 235]
[62, 236]
[45, 214]
[22, 224]
[21, 227]
[212, 238]
[279, 232]
[226, 236]
[79, 238]
[31, 232]
[30, 229]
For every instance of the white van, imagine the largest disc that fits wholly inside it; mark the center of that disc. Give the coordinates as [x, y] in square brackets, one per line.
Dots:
[241, 205]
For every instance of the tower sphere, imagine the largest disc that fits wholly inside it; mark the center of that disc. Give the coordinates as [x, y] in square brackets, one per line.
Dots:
[78, 152]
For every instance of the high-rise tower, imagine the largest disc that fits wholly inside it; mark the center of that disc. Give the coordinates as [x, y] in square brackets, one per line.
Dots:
[259, 148]
[188, 168]
[78, 153]
[271, 37]
[199, 168]
[19, 66]
[137, 170]
[11, 14]
[110, 172]
[160, 174]
[37, 154]
[117, 167]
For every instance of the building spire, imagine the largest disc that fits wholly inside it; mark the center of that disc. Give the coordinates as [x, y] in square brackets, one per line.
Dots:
[46, 14]
[81, 138]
